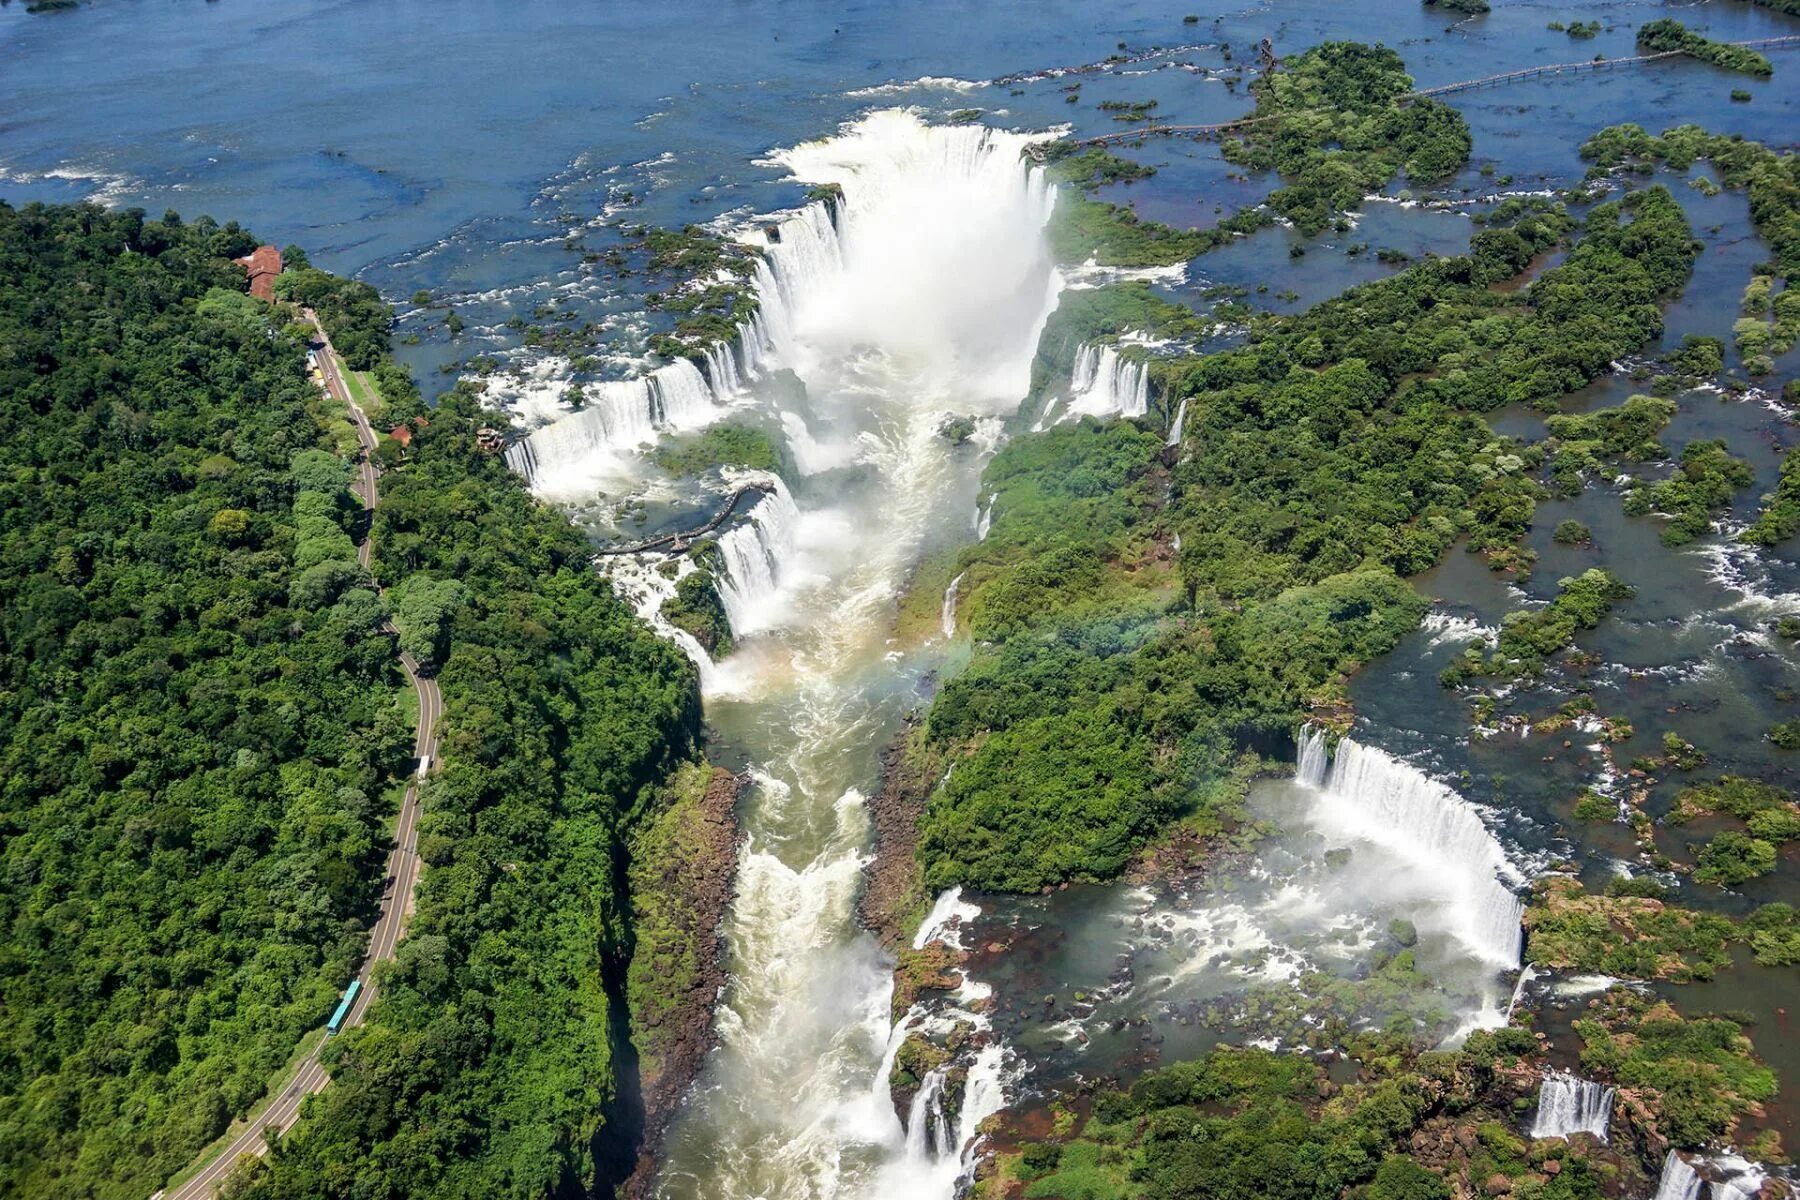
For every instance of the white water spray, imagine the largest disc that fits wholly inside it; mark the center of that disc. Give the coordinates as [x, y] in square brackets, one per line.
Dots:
[1106, 383]
[1368, 795]
[1568, 1105]
[568, 457]
[758, 555]
[948, 617]
[1679, 1180]
[921, 290]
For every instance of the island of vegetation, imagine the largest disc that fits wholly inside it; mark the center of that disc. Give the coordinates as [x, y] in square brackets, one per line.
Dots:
[1667, 34]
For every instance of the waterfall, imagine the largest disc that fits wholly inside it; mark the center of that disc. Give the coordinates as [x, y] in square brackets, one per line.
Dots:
[1087, 365]
[754, 552]
[721, 369]
[1569, 1105]
[1175, 429]
[930, 1144]
[948, 907]
[519, 457]
[984, 1095]
[801, 263]
[1679, 1180]
[923, 289]
[984, 518]
[927, 1102]
[1526, 975]
[1105, 383]
[754, 345]
[949, 614]
[832, 272]
[683, 399]
[640, 581]
[1743, 1179]
[1372, 796]
[563, 458]
[1314, 759]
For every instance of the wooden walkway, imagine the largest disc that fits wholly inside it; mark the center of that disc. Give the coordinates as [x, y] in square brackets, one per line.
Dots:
[1595, 64]
[674, 543]
[1204, 132]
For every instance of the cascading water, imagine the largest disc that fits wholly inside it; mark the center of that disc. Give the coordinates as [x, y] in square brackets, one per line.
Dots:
[1175, 429]
[948, 617]
[565, 458]
[922, 289]
[757, 554]
[1737, 1178]
[721, 369]
[1106, 383]
[1679, 1180]
[1368, 795]
[1569, 1105]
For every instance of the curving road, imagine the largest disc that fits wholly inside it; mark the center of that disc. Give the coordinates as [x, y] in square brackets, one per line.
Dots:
[402, 863]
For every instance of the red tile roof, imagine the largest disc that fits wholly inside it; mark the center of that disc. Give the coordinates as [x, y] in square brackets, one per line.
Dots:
[263, 264]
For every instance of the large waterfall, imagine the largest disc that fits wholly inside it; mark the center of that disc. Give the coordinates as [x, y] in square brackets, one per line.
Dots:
[1568, 1104]
[919, 289]
[868, 271]
[562, 459]
[1106, 383]
[1368, 795]
[757, 553]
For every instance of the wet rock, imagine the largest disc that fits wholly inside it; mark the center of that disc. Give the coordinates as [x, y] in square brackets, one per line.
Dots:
[674, 1040]
[893, 890]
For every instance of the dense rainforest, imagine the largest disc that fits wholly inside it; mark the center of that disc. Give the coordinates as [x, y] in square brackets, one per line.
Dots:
[203, 725]
[1151, 620]
[197, 749]
[486, 1067]
[1116, 678]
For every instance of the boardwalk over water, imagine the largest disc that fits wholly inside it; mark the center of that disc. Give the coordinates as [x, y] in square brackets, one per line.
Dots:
[674, 543]
[1204, 132]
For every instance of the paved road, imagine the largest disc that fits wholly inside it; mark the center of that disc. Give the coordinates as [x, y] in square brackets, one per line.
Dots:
[403, 859]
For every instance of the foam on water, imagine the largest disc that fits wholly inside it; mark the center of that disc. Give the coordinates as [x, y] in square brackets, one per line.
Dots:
[567, 458]
[1679, 1180]
[1568, 1105]
[1105, 383]
[1368, 795]
[920, 290]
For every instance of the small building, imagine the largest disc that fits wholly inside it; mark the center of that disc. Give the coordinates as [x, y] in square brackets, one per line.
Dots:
[403, 434]
[263, 265]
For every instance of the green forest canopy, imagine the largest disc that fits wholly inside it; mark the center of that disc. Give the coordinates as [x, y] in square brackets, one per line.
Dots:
[202, 726]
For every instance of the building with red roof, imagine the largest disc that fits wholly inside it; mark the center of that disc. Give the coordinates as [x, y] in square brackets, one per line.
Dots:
[263, 264]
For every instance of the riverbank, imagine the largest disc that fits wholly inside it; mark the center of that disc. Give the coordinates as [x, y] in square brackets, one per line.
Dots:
[893, 896]
[683, 871]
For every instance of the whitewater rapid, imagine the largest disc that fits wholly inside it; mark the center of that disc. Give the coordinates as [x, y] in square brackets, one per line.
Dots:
[920, 293]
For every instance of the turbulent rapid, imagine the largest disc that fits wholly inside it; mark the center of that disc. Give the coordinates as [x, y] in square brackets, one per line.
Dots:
[914, 291]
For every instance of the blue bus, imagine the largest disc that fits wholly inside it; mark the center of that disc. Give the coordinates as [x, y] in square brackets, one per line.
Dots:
[343, 1008]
